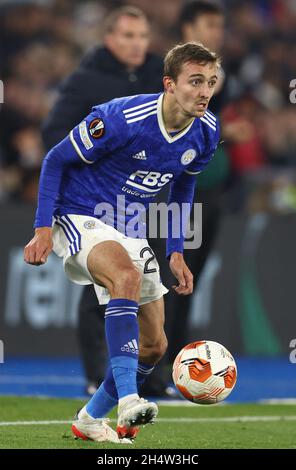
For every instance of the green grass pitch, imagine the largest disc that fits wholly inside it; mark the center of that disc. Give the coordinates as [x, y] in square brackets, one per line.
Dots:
[239, 426]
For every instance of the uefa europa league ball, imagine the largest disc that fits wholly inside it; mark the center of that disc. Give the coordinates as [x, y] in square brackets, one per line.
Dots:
[204, 372]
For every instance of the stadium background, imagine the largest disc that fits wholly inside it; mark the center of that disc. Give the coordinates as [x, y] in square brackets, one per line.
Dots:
[246, 298]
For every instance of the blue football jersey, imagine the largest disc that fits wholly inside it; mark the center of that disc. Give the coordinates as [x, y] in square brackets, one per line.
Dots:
[124, 149]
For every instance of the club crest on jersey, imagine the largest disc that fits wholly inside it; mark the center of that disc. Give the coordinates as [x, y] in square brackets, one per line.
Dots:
[96, 128]
[188, 156]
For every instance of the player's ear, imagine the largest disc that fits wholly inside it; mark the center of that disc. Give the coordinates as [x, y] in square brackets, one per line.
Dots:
[169, 84]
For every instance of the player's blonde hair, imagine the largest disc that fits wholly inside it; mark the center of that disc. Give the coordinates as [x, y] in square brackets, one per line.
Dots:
[190, 52]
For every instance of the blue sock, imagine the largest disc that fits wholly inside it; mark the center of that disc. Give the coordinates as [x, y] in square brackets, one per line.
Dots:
[101, 402]
[122, 335]
[144, 370]
[106, 397]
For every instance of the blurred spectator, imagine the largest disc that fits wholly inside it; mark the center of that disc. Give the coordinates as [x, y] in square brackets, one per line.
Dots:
[202, 21]
[245, 147]
[32, 63]
[41, 42]
[120, 67]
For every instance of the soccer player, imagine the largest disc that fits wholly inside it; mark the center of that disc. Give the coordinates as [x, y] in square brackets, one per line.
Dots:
[119, 67]
[130, 147]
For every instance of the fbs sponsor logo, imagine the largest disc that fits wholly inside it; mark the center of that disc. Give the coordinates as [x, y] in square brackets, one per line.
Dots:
[140, 155]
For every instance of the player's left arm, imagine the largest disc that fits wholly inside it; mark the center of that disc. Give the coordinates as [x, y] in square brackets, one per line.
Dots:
[182, 192]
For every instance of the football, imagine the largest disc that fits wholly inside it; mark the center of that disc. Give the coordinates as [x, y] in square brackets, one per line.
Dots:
[204, 372]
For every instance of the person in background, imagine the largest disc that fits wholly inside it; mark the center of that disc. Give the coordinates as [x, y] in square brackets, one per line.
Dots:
[204, 22]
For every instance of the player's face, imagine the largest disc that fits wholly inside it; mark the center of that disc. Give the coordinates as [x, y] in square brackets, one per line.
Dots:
[207, 29]
[129, 40]
[195, 87]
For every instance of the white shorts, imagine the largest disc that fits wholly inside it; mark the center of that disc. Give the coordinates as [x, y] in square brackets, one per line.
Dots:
[75, 235]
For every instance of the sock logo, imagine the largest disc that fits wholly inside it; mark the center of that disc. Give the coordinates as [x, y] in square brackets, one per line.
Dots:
[131, 347]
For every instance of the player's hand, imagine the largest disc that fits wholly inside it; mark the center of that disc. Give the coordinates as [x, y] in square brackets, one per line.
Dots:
[38, 249]
[182, 273]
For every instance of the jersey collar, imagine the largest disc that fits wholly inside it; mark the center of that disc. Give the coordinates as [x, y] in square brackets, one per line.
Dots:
[162, 128]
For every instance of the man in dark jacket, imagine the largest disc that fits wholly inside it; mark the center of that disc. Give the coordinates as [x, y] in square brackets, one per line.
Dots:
[121, 67]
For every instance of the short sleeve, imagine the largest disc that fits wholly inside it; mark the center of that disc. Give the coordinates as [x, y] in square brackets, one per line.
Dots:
[102, 132]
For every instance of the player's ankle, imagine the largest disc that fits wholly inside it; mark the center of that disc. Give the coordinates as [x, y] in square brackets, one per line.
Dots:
[126, 398]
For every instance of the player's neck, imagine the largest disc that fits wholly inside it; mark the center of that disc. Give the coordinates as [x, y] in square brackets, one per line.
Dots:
[173, 117]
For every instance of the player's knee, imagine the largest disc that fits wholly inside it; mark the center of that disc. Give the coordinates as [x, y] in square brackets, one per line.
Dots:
[128, 282]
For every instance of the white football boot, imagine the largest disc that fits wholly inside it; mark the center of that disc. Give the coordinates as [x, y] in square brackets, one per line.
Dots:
[95, 429]
[134, 411]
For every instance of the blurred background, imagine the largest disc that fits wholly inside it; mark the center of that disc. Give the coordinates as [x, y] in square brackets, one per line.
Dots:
[245, 293]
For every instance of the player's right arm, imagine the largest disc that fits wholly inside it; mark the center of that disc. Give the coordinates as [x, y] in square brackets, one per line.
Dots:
[53, 166]
[38, 249]
[101, 132]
